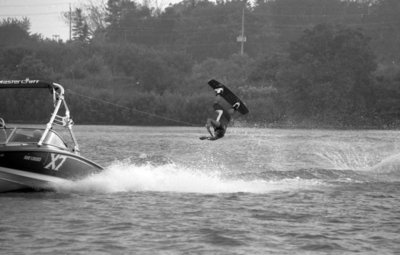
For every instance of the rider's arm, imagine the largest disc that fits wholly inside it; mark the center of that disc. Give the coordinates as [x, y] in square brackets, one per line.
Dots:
[220, 112]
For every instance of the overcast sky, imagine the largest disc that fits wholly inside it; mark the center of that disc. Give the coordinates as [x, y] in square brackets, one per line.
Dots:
[45, 15]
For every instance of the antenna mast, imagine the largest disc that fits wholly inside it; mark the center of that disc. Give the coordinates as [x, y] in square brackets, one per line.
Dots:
[242, 38]
[70, 22]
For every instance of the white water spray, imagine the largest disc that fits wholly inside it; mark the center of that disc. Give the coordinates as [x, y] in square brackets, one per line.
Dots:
[388, 167]
[346, 157]
[127, 177]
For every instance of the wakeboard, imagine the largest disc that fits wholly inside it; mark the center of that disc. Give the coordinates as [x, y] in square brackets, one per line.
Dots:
[229, 96]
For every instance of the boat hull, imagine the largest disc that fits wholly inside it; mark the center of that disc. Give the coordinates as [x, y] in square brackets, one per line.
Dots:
[17, 180]
[41, 168]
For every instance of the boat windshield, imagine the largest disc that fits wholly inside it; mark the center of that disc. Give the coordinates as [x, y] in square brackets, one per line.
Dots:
[4, 134]
[12, 136]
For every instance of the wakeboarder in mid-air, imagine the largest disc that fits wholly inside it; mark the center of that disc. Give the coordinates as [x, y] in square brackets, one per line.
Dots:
[224, 116]
[220, 124]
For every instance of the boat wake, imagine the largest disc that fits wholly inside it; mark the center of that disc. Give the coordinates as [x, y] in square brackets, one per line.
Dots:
[347, 157]
[388, 169]
[161, 174]
[129, 177]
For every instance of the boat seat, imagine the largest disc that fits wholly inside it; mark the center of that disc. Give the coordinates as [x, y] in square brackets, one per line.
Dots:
[21, 138]
[37, 134]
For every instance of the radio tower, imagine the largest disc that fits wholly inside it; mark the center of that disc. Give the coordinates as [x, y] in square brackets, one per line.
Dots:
[242, 38]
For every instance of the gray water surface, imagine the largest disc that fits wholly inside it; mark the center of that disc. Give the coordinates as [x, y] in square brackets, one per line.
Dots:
[257, 191]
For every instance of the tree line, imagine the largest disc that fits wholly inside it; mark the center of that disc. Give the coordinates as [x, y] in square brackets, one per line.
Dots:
[306, 63]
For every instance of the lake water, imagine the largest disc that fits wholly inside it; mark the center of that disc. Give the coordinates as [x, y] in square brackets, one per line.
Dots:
[257, 191]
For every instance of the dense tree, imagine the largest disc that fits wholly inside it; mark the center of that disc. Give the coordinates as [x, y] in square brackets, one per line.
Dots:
[330, 75]
[383, 15]
[80, 28]
[304, 61]
[14, 32]
[118, 12]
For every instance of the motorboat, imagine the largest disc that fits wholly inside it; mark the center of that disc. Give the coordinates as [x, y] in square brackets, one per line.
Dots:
[37, 158]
